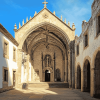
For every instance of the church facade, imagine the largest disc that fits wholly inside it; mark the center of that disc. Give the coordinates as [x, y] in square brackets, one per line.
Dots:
[45, 49]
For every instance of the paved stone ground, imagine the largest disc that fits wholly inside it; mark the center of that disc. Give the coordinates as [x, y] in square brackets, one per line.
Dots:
[46, 94]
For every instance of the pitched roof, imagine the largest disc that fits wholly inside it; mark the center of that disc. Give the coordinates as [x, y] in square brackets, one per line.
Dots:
[49, 12]
[8, 35]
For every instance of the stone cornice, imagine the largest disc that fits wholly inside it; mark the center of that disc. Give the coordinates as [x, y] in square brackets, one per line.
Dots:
[8, 35]
[52, 14]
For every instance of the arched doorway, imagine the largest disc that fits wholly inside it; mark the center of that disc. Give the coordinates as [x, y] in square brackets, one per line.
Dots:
[78, 77]
[86, 76]
[58, 75]
[97, 75]
[47, 76]
[48, 36]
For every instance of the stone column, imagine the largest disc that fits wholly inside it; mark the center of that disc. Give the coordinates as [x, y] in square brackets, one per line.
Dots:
[73, 70]
[92, 88]
[27, 68]
[18, 71]
[53, 70]
[65, 69]
[75, 80]
[42, 79]
[82, 81]
[69, 69]
[32, 74]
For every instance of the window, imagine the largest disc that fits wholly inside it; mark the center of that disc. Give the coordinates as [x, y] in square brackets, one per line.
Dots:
[14, 54]
[78, 49]
[86, 40]
[47, 61]
[6, 49]
[6, 75]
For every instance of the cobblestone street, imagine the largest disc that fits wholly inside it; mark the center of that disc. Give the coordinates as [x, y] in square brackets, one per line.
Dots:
[46, 94]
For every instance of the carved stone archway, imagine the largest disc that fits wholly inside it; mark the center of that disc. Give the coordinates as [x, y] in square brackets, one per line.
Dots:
[34, 38]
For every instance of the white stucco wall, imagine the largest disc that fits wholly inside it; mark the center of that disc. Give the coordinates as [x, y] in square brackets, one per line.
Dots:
[9, 63]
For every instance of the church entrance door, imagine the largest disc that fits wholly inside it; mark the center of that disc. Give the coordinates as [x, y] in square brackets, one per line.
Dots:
[47, 76]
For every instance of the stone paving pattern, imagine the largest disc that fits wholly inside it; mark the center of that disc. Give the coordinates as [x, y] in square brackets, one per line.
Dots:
[46, 94]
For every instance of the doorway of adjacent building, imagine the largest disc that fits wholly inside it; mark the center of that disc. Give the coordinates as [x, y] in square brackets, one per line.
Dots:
[87, 76]
[14, 74]
[47, 76]
[97, 75]
[78, 77]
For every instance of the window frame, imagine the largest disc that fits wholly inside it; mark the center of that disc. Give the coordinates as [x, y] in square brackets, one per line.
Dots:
[14, 51]
[77, 49]
[97, 30]
[86, 40]
[6, 55]
[86, 33]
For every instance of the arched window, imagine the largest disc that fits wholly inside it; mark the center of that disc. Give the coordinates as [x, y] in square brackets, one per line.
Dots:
[47, 61]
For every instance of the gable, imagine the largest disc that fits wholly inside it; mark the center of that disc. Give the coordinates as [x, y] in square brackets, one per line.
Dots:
[44, 16]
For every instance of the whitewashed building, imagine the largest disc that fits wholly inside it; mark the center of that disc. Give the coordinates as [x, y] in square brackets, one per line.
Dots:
[8, 65]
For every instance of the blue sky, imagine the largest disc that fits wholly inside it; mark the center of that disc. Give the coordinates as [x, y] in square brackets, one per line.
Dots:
[14, 11]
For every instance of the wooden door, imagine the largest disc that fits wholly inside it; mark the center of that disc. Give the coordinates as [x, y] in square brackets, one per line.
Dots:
[14, 76]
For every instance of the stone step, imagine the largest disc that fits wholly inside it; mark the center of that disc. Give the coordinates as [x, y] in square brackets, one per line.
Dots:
[48, 85]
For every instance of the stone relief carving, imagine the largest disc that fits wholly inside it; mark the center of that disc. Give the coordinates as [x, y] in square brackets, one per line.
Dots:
[45, 15]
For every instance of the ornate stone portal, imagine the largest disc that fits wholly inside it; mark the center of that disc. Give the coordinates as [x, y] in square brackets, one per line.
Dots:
[47, 41]
[49, 67]
[48, 56]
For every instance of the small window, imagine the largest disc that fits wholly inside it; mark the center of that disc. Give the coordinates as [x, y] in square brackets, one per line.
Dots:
[6, 49]
[6, 75]
[77, 49]
[86, 40]
[14, 54]
[98, 25]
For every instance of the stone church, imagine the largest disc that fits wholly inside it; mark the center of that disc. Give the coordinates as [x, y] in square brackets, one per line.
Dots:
[46, 50]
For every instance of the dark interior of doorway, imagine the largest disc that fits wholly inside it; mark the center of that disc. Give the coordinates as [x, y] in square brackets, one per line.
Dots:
[88, 77]
[47, 76]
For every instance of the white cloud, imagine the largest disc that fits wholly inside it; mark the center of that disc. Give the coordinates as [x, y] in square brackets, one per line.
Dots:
[74, 11]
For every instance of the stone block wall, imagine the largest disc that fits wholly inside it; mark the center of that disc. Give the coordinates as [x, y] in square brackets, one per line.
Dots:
[89, 52]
